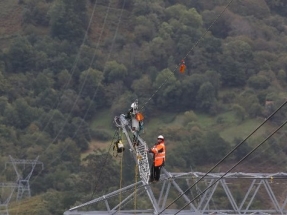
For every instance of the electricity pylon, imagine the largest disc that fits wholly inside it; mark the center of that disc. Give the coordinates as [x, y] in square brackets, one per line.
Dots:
[7, 190]
[23, 184]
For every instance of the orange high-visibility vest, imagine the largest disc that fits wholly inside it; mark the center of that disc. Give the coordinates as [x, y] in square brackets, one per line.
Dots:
[139, 116]
[159, 154]
[182, 68]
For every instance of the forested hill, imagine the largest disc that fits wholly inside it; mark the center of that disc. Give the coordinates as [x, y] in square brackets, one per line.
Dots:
[68, 66]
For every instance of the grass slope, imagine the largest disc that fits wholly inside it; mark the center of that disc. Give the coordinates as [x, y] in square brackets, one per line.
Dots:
[226, 124]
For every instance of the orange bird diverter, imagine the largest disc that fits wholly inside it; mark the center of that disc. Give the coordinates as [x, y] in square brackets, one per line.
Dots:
[182, 66]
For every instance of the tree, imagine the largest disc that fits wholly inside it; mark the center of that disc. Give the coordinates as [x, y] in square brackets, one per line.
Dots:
[222, 27]
[64, 80]
[255, 110]
[68, 20]
[216, 146]
[241, 151]
[25, 112]
[36, 13]
[113, 91]
[231, 74]
[142, 87]
[214, 78]
[144, 30]
[11, 117]
[42, 82]
[94, 172]
[3, 83]
[20, 55]
[114, 71]
[47, 99]
[278, 6]
[205, 97]
[258, 82]
[257, 8]
[71, 103]
[90, 82]
[236, 61]
[189, 90]
[189, 117]
[239, 112]
[79, 131]
[169, 90]
[188, 17]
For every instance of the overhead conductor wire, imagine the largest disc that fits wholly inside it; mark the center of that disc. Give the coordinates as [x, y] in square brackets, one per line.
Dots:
[102, 166]
[232, 149]
[116, 32]
[82, 87]
[103, 72]
[85, 79]
[242, 159]
[80, 90]
[229, 153]
[195, 45]
[72, 72]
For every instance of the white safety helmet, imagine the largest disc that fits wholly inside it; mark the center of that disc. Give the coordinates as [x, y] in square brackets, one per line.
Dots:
[160, 137]
[133, 105]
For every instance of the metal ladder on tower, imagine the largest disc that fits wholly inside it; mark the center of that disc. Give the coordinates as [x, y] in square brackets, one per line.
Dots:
[137, 145]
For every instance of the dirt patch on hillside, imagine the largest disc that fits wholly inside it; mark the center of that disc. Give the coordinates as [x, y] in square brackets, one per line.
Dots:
[10, 18]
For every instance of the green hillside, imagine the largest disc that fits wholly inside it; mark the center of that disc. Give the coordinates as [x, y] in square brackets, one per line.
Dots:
[67, 67]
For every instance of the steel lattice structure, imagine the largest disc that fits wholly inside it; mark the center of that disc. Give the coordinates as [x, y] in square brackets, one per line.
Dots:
[23, 184]
[233, 193]
[257, 187]
[7, 190]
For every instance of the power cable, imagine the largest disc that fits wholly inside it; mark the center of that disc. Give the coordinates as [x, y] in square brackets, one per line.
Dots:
[92, 15]
[73, 67]
[95, 90]
[85, 79]
[102, 167]
[65, 86]
[229, 153]
[242, 159]
[94, 95]
[195, 45]
[121, 179]
[280, 153]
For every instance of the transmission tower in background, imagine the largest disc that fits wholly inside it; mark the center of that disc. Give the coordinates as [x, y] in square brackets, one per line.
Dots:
[6, 192]
[23, 175]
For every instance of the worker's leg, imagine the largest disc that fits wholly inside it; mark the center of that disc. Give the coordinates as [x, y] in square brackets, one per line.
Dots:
[157, 173]
[152, 173]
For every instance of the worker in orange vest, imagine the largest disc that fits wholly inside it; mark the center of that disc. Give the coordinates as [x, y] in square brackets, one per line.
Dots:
[158, 151]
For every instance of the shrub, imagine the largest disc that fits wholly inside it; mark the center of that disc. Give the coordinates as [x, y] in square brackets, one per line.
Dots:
[100, 134]
[258, 82]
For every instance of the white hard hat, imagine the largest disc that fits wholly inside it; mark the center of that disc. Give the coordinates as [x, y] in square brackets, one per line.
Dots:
[133, 105]
[160, 137]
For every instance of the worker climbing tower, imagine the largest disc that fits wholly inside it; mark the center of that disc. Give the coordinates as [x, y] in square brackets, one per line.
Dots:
[133, 122]
[131, 125]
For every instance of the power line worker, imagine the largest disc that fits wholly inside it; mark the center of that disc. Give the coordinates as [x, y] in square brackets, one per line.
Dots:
[158, 151]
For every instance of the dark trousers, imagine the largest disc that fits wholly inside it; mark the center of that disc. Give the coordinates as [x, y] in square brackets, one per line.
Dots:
[155, 173]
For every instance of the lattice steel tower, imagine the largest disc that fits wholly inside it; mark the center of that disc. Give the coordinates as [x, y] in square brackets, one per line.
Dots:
[22, 181]
[6, 192]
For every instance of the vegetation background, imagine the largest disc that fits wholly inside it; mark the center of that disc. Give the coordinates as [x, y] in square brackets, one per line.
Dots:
[67, 67]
